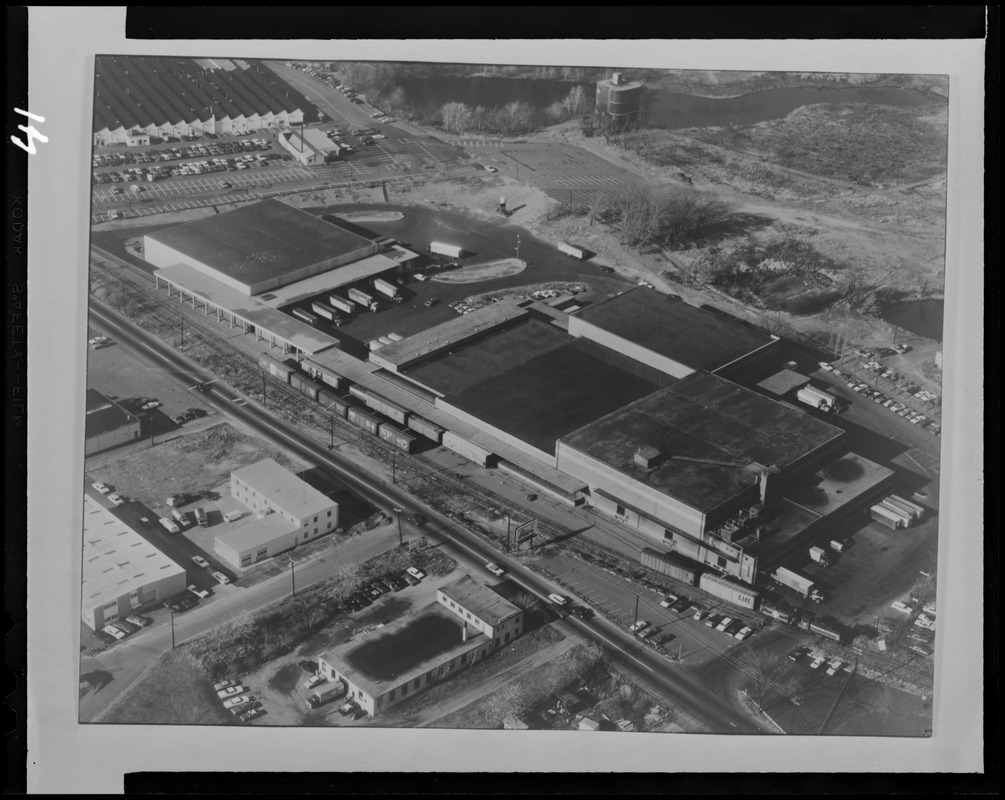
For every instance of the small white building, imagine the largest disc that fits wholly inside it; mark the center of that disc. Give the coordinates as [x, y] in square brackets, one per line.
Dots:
[122, 572]
[287, 512]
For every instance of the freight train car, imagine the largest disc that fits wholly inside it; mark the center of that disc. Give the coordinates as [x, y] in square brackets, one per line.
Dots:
[325, 375]
[331, 401]
[734, 593]
[827, 628]
[425, 428]
[400, 439]
[277, 369]
[780, 612]
[469, 450]
[380, 404]
[361, 419]
[667, 564]
[305, 385]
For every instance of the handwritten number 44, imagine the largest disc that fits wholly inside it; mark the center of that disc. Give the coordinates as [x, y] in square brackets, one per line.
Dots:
[31, 132]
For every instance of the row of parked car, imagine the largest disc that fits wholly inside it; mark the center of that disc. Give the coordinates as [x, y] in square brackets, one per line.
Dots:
[178, 153]
[120, 629]
[187, 169]
[877, 396]
[834, 666]
[378, 588]
[238, 700]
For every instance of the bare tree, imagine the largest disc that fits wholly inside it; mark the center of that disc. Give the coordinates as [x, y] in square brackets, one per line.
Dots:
[456, 117]
[764, 670]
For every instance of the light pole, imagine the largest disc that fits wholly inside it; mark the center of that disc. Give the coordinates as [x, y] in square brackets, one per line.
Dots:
[172, 629]
[518, 247]
[293, 576]
[398, 512]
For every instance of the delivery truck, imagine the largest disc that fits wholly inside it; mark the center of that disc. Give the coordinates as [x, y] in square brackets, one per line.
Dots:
[365, 300]
[799, 583]
[441, 249]
[325, 694]
[819, 555]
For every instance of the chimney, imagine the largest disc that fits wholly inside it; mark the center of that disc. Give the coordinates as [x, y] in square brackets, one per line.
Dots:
[464, 631]
[616, 78]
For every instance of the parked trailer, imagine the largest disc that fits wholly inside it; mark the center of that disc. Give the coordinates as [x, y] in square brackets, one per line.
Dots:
[400, 439]
[572, 250]
[277, 369]
[441, 249]
[777, 611]
[667, 564]
[817, 399]
[905, 516]
[916, 511]
[469, 450]
[348, 306]
[331, 401]
[799, 583]
[361, 297]
[306, 316]
[324, 374]
[734, 593]
[384, 287]
[305, 385]
[828, 629]
[361, 419]
[425, 428]
[885, 517]
[325, 311]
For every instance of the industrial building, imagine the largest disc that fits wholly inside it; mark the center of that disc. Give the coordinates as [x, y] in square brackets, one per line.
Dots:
[107, 424]
[686, 463]
[619, 101]
[247, 265]
[310, 147]
[123, 573]
[171, 96]
[384, 666]
[287, 512]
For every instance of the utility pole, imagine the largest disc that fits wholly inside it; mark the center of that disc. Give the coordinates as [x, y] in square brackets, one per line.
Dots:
[635, 631]
[394, 467]
[398, 512]
[293, 577]
[331, 432]
[509, 528]
[518, 246]
[172, 629]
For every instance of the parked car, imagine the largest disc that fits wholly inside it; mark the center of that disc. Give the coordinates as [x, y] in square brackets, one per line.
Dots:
[103, 488]
[712, 620]
[114, 632]
[681, 605]
[557, 599]
[200, 561]
[253, 713]
[668, 601]
[815, 664]
[317, 680]
[237, 701]
[135, 619]
[221, 578]
[151, 405]
[583, 612]
[202, 594]
[699, 615]
[743, 633]
[416, 573]
[347, 709]
[638, 626]
[734, 627]
[224, 685]
[116, 499]
[798, 653]
[724, 623]
[495, 569]
[231, 691]
[127, 627]
[432, 301]
[834, 666]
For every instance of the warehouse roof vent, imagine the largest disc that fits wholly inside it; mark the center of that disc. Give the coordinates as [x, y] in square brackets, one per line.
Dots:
[648, 457]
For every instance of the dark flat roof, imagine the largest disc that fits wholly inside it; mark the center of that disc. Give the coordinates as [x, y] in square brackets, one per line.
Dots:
[550, 395]
[260, 241]
[104, 415]
[709, 418]
[485, 603]
[673, 328]
[491, 355]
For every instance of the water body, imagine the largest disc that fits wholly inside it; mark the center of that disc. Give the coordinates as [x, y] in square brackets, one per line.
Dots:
[921, 317]
[673, 111]
[668, 109]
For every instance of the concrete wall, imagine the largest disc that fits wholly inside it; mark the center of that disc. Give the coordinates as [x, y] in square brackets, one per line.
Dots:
[129, 432]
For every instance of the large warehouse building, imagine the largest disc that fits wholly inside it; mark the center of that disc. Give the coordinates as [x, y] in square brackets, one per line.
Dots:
[384, 666]
[247, 265]
[123, 573]
[287, 512]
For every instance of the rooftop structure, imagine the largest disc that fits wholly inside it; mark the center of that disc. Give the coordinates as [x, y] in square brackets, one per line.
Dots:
[671, 335]
[258, 247]
[783, 382]
[482, 602]
[707, 439]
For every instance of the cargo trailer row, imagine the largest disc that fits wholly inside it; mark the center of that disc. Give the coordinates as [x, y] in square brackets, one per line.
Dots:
[817, 398]
[885, 516]
[734, 593]
[915, 511]
[361, 297]
[667, 564]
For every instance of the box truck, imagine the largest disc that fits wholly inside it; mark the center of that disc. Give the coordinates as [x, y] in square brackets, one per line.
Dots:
[325, 694]
[441, 249]
[799, 583]
[819, 555]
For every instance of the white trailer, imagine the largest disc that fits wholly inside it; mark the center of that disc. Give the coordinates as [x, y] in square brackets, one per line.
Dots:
[342, 304]
[904, 516]
[916, 511]
[799, 583]
[361, 297]
[441, 249]
[816, 398]
[572, 250]
[386, 288]
[886, 517]
[323, 310]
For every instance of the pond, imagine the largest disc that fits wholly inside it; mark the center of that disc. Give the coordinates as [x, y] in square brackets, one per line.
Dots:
[920, 317]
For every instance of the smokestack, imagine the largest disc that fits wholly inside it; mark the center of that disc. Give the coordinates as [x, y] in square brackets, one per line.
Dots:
[464, 631]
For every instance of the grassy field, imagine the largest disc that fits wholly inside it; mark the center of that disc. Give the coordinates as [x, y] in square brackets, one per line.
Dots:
[171, 691]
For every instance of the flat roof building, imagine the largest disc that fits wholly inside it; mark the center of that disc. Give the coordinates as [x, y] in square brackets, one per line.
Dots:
[312, 147]
[123, 573]
[107, 424]
[384, 666]
[288, 512]
[258, 247]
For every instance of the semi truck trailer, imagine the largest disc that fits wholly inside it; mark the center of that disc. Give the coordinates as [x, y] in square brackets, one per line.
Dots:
[819, 555]
[341, 304]
[572, 250]
[386, 288]
[325, 694]
[441, 249]
[361, 297]
[817, 398]
[799, 583]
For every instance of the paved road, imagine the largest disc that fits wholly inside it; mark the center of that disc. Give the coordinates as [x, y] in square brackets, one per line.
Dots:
[647, 666]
